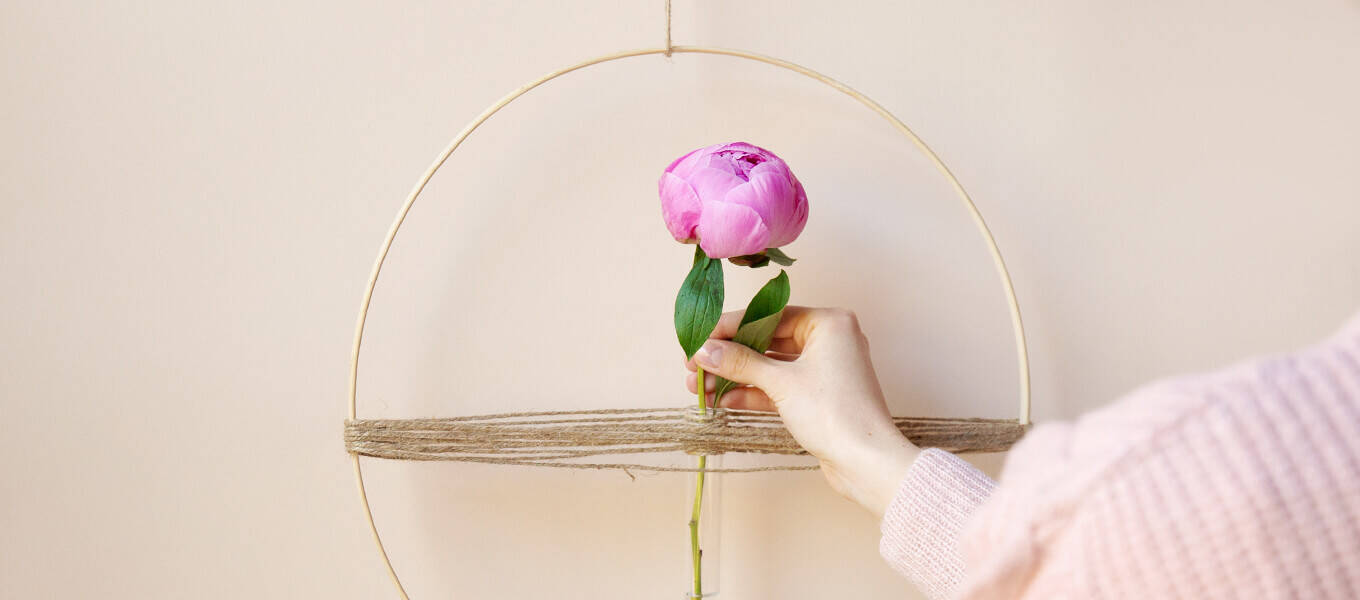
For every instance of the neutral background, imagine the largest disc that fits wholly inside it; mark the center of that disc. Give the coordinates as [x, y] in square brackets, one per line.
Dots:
[191, 196]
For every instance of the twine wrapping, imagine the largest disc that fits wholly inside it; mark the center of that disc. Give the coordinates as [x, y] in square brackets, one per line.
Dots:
[562, 439]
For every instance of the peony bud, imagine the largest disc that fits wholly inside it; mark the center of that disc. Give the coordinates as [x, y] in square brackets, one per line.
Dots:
[735, 200]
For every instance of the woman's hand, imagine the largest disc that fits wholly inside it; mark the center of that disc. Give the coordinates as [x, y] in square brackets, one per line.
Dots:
[818, 376]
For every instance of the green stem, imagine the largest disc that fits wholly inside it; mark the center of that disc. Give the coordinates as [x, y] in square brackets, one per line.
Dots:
[695, 552]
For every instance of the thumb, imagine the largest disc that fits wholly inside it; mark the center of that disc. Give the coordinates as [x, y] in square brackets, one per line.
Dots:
[739, 363]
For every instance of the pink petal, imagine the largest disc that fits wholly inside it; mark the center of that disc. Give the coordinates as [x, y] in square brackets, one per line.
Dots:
[726, 230]
[773, 166]
[680, 207]
[712, 185]
[771, 195]
[720, 163]
[800, 215]
[745, 147]
[686, 164]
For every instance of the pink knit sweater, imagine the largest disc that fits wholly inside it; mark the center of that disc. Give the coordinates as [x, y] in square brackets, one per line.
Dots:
[1243, 483]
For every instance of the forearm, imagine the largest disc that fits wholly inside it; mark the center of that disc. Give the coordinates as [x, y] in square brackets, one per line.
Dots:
[869, 472]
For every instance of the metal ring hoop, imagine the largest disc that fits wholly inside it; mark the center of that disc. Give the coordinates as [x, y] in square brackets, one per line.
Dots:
[1022, 353]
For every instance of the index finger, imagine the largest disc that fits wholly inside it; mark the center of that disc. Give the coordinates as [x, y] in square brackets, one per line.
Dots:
[795, 326]
[796, 323]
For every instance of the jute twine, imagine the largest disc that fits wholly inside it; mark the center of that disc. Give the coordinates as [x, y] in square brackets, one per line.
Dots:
[575, 439]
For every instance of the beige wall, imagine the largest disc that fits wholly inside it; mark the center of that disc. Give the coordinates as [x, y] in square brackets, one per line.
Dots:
[191, 195]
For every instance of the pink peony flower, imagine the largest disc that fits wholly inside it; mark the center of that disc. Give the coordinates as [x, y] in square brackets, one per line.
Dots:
[734, 199]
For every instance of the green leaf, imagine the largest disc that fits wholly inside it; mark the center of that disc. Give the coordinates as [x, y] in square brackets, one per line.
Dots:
[699, 304]
[779, 257]
[759, 322]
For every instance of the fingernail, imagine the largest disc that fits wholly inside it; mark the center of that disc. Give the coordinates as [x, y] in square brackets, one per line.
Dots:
[710, 355]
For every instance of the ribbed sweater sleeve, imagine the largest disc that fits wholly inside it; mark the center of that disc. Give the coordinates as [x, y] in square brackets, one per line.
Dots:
[921, 527]
[1243, 482]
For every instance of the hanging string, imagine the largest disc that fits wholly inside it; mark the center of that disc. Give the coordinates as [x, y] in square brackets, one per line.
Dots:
[668, 28]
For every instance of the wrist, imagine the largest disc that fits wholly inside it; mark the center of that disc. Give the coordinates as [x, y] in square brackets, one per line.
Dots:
[871, 473]
[894, 460]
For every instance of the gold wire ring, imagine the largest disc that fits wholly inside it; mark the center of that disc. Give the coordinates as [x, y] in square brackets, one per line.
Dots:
[1022, 352]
